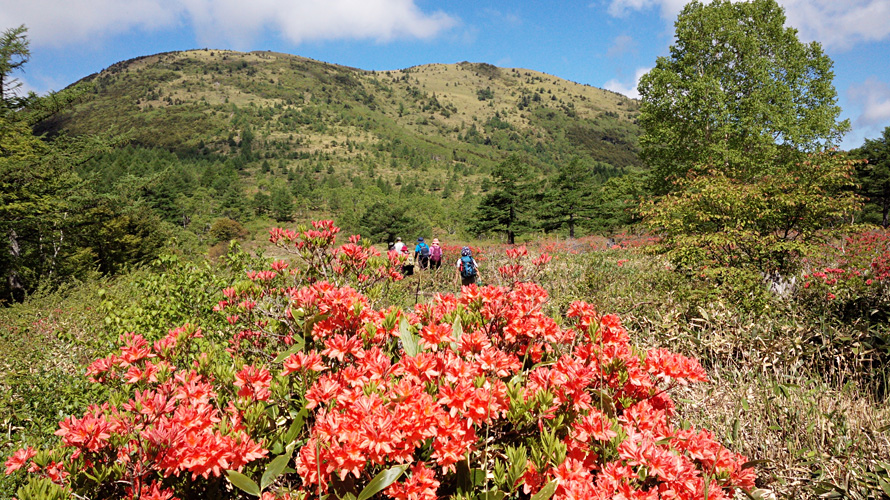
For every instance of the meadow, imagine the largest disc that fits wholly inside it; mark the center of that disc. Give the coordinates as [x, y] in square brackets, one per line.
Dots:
[574, 356]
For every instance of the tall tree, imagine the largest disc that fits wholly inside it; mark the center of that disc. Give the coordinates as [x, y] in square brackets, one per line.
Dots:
[569, 201]
[616, 202]
[384, 220]
[505, 209]
[52, 224]
[14, 53]
[739, 93]
[873, 176]
[739, 122]
[282, 204]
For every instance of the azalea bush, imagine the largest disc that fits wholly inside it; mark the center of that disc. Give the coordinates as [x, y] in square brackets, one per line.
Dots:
[311, 390]
[521, 267]
[851, 281]
[849, 285]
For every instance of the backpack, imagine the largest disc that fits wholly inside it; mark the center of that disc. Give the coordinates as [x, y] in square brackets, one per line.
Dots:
[424, 251]
[467, 267]
[436, 253]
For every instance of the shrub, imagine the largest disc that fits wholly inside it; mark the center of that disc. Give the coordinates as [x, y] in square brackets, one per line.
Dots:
[225, 229]
[481, 392]
[852, 282]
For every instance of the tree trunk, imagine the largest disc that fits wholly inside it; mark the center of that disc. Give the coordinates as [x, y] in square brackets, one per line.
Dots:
[511, 238]
[16, 288]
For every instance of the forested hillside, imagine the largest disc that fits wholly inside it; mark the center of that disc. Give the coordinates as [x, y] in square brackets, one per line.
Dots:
[212, 134]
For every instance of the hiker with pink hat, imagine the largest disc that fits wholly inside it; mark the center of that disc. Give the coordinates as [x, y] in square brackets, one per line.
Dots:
[435, 254]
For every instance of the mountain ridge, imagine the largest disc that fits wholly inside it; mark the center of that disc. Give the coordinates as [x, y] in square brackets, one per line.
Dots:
[431, 99]
[216, 134]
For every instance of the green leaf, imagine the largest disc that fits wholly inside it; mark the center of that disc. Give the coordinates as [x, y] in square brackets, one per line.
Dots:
[381, 481]
[296, 425]
[274, 469]
[457, 329]
[752, 463]
[409, 340]
[547, 491]
[884, 486]
[243, 483]
[492, 495]
[298, 346]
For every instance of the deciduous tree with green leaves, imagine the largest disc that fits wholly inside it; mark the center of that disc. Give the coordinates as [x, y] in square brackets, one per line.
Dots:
[740, 121]
[386, 219]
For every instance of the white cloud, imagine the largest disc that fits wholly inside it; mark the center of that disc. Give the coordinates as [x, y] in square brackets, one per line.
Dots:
[503, 18]
[839, 24]
[669, 8]
[873, 98]
[621, 46]
[58, 22]
[833, 23]
[616, 85]
[870, 106]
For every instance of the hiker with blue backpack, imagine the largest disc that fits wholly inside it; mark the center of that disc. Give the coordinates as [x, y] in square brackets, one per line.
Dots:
[422, 253]
[467, 268]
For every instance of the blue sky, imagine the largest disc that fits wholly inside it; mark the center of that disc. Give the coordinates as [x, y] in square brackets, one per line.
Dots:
[604, 43]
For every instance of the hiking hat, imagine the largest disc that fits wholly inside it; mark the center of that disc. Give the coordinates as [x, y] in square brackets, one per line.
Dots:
[435, 241]
[465, 252]
[420, 240]
[399, 238]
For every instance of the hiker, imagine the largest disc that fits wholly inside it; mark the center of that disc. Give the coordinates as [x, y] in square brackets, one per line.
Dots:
[467, 268]
[435, 254]
[408, 264]
[399, 245]
[422, 253]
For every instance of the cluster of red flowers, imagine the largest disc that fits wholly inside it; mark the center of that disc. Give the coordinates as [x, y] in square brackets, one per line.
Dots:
[171, 423]
[862, 262]
[452, 385]
[361, 265]
[516, 271]
[869, 250]
[479, 358]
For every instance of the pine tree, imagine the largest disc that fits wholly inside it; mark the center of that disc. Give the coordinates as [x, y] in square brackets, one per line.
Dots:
[507, 208]
[569, 201]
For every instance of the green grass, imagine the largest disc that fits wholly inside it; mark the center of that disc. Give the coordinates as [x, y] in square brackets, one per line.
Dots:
[787, 388]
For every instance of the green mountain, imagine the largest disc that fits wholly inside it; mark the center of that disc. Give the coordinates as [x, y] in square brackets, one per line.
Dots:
[214, 133]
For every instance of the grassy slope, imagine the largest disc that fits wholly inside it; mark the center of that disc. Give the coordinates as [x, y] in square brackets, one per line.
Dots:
[296, 107]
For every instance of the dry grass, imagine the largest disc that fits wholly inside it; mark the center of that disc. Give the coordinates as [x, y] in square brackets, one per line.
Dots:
[800, 409]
